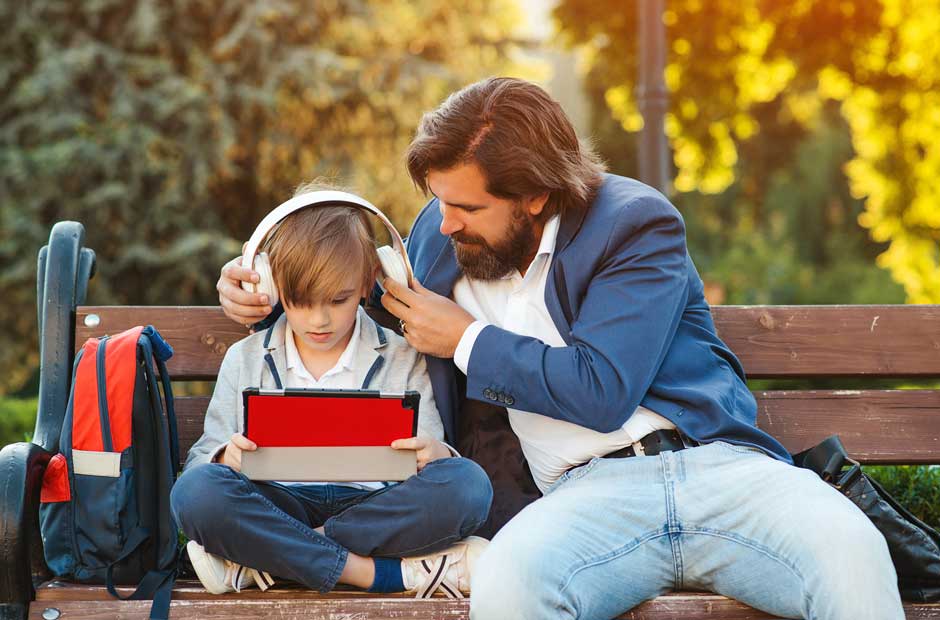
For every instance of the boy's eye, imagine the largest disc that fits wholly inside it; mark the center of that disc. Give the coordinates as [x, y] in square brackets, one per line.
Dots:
[340, 301]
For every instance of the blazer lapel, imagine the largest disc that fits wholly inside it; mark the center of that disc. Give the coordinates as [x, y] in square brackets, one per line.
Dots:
[443, 272]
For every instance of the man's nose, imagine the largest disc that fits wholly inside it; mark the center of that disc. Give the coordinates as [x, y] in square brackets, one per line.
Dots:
[450, 223]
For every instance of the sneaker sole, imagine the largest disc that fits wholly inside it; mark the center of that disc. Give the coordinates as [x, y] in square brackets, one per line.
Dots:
[213, 583]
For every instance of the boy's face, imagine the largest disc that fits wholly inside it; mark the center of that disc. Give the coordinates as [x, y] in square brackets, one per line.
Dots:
[326, 326]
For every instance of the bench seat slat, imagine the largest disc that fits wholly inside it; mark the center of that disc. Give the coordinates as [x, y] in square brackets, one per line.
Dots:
[777, 341]
[876, 426]
[191, 601]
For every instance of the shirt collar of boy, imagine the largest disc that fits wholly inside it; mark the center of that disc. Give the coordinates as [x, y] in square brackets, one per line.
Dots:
[344, 363]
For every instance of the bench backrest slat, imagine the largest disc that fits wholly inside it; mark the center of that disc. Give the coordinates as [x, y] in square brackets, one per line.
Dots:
[771, 341]
[877, 426]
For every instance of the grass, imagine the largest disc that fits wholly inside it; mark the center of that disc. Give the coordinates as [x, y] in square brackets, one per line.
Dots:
[17, 419]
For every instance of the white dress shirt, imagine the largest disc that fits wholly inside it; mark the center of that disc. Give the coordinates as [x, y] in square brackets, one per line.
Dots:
[517, 304]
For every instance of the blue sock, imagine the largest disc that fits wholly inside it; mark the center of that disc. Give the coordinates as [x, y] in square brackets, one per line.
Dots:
[387, 575]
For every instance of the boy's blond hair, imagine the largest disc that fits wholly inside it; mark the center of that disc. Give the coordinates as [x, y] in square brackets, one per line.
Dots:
[313, 250]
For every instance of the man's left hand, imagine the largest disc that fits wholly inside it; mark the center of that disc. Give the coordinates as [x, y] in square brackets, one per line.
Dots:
[433, 324]
[427, 449]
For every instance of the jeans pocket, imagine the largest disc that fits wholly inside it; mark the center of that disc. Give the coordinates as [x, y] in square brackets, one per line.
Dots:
[738, 448]
[573, 474]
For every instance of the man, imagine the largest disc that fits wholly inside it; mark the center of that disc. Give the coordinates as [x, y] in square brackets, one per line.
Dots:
[567, 295]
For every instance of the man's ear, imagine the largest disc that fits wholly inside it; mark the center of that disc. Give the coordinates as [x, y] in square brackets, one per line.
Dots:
[536, 204]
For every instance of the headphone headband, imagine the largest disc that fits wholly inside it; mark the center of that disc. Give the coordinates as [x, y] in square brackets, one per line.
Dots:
[322, 197]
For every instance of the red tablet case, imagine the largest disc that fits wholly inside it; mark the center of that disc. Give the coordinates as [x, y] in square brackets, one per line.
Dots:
[293, 418]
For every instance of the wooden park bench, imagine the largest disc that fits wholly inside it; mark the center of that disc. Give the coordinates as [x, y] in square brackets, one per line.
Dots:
[877, 426]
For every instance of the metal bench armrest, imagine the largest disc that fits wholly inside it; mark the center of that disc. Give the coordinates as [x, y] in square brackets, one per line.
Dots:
[21, 469]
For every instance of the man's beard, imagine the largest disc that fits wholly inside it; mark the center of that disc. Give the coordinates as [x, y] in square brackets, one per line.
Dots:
[481, 261]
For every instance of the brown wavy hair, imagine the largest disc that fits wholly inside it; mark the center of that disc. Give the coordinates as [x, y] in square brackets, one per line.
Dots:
[519, 137]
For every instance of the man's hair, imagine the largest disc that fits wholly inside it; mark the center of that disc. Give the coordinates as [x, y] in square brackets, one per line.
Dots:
[519, 137]
[313, 250]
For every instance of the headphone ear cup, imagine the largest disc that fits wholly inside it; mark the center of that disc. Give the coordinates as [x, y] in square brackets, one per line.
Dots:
[266, 284]
[393, 266]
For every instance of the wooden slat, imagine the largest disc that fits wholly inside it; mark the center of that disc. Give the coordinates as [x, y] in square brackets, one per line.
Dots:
[191, 601]
[772, 341]
[800, 341]
[199, 335]
[876, 426]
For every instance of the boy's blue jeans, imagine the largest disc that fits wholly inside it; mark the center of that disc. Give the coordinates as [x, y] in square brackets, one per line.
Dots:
[615, 532]
[270, 526]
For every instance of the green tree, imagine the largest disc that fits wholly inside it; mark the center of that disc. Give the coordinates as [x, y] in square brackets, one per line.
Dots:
[169, 127]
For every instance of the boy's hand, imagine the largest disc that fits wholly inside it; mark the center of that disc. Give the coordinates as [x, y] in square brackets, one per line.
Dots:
[232, 456]
[427, 449]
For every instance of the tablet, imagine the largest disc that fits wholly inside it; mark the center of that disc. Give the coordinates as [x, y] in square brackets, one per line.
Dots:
[306, 435]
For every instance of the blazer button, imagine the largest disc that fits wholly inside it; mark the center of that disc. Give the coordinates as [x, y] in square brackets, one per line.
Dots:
[488, 393]
[509, 401]
[501, 397]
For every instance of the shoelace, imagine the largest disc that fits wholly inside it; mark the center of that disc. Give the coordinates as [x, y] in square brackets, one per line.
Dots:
[262, 579]
[436, 578]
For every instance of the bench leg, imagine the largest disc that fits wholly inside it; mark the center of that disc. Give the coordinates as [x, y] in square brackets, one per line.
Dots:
[21, 468]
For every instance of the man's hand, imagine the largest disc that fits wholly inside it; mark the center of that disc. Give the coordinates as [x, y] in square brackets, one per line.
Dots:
[238, 304]
[232, 455]
[433, 324]
[427, 449]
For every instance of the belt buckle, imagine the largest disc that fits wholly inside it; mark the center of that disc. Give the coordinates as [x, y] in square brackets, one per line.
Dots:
[638, 448]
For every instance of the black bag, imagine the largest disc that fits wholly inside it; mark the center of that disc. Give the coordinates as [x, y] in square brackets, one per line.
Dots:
[914, 545]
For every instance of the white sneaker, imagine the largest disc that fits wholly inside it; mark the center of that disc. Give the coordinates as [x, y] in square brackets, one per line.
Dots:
[220, 576]
[448, 570]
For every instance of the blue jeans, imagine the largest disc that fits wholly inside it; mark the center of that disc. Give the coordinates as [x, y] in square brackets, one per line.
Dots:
[270, 526]
[615, 532]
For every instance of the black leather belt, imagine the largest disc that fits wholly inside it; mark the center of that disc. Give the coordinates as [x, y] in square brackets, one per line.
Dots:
[653, 444]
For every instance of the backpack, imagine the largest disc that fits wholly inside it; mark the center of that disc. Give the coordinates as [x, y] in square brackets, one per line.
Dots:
[105, 501]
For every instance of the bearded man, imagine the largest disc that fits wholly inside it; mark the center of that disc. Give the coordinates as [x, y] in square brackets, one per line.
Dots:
[562, 300]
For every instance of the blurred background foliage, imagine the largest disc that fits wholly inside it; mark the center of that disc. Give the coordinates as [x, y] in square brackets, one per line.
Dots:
[805, 137]
[758, 86]
[169, 127]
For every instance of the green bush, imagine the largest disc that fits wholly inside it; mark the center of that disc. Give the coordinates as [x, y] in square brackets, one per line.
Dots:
[17, 419]
[916, 487]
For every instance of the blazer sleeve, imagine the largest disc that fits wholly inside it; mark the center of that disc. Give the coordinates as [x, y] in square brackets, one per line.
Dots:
[618, 340]
[222, 415]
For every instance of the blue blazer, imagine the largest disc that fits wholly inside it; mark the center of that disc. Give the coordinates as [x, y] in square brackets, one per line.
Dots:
[629, 303]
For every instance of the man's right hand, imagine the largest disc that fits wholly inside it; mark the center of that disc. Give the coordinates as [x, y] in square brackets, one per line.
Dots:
[238, 304]
[232, 455]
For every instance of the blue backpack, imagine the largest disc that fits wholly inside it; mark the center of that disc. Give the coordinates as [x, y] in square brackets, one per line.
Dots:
[105, 502]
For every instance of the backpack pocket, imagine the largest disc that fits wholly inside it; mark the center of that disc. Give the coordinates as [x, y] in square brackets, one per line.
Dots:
[55, 516]
[105, 510]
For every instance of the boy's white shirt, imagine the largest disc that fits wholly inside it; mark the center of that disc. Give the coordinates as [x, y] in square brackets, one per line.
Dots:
[244, 366]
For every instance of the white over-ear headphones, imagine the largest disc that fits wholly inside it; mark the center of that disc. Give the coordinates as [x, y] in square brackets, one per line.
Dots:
[394, 261]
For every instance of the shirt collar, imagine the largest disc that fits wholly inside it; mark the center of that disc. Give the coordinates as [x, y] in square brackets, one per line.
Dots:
[549, 236]
[345, 361]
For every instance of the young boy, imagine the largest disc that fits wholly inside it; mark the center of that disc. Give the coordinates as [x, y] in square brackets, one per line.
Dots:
[324, 262]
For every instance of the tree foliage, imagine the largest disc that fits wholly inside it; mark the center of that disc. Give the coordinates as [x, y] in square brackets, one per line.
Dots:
[731, 60]
[169, 127]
